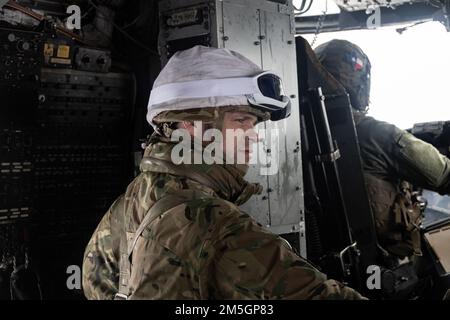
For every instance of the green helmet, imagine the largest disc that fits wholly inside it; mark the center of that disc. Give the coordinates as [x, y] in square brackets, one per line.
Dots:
[349, 65]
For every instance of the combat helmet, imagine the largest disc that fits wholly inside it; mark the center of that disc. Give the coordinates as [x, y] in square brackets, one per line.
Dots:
[202, 82]
[349, 65]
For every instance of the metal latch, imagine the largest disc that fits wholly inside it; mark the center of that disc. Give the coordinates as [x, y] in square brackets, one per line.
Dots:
[120, 296]
[284, 9]
[329, 157]
[345, 270]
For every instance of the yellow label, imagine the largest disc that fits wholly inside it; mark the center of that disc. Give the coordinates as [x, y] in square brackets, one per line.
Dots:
[48, 49]
[60, 61]
[63, 51]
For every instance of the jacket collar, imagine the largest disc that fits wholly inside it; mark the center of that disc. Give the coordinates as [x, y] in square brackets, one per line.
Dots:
[226, 180]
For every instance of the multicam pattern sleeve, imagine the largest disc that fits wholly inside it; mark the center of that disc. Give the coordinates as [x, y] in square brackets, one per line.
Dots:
[391, 153]
[221, 253]
[101, 258]
[253, 263]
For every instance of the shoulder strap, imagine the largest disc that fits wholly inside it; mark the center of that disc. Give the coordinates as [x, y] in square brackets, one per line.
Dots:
[126, 247]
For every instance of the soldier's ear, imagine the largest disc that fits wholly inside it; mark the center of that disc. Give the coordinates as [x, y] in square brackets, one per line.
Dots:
[189, 126]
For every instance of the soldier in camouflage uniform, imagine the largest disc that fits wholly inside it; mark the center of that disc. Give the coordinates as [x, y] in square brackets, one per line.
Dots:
[195, 242]
[390, 156]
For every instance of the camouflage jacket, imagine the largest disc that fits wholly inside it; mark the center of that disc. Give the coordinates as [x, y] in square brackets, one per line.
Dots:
[390, 157]
[393, 154]
[205, 248]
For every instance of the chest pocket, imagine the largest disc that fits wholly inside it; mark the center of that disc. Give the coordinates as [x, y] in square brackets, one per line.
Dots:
[397, 218]
[407, 221]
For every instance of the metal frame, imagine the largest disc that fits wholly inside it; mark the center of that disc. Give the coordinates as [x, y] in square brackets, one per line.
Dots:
[357, 20]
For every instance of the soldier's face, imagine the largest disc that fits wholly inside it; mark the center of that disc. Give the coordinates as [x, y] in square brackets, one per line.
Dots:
[239, 135]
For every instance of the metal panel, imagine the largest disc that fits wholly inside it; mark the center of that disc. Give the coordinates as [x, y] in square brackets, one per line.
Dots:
[286, 186]
[259, 31]
[241, 32]
[184, 24]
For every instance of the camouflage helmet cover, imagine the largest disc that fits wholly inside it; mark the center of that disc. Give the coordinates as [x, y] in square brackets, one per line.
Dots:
[349, 65]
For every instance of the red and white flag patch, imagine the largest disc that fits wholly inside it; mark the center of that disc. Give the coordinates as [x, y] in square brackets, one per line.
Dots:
[359, 64]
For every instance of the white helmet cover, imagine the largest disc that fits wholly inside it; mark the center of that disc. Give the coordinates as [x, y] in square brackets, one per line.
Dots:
[200, 64]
